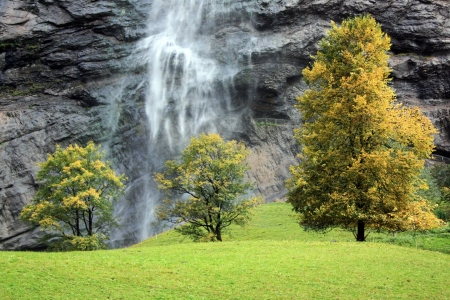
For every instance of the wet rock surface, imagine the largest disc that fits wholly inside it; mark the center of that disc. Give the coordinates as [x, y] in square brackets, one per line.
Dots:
[60, 64]
[67, 74]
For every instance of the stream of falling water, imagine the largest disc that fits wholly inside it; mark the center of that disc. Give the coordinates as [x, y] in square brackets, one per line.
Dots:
[185, 93]
[185, 87]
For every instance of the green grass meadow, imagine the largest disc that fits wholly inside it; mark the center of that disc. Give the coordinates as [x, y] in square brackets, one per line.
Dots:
[270, 259]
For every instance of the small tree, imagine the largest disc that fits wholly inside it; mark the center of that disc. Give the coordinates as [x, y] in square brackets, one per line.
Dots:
[362, 153]
[441, 173]
[74, 200]
[205, 188]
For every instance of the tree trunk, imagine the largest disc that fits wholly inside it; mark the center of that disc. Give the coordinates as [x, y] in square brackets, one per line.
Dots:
[219, 234]
[77, 223]
[91, 216]
[360, 236]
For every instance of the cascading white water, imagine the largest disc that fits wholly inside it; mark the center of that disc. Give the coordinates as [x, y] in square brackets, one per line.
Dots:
[186, 90]
[181, 97]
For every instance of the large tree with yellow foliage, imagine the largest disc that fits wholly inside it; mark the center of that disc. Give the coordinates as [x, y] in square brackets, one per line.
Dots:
[74, 202]
[206, 188]
[362, 153]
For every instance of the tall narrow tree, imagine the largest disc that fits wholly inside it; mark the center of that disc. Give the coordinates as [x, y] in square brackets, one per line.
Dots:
[362, 153]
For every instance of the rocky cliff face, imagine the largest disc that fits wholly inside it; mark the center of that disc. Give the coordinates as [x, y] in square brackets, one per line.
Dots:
[60, 62]
[67, 74]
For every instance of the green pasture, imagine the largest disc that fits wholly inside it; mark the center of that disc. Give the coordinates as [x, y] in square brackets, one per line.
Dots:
[270, 259]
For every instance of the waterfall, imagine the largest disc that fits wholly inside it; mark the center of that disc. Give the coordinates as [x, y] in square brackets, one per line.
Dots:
[180, 97]
[186, 89]
[185, 92]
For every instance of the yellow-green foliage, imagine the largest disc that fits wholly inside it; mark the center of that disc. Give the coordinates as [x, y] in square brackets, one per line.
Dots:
[211, 172]
[362, 152]
[74, 200]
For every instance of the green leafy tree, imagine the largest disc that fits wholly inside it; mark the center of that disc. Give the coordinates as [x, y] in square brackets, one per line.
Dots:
[206, 188]
[74, 202]
[433, 192]
[362, 152]
[441, 173]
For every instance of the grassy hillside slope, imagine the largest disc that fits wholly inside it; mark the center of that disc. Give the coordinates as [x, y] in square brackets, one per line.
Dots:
[276, 221]
[255, 264]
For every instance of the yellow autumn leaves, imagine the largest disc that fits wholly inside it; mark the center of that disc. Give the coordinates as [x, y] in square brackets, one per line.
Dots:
[74, 199]
[210, 174]
[362, 152]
